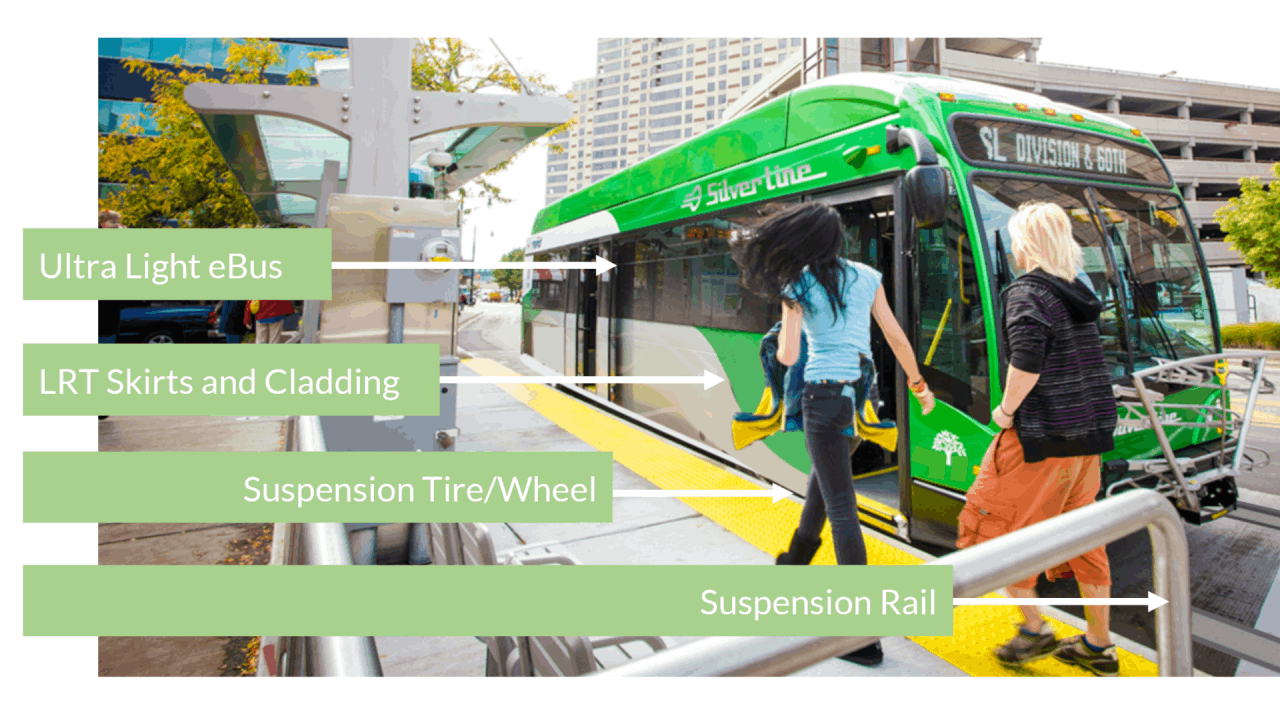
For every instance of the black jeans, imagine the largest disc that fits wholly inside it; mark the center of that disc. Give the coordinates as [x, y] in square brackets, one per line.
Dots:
[826, 414]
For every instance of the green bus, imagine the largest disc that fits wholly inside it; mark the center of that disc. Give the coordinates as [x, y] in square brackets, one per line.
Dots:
[925, 170]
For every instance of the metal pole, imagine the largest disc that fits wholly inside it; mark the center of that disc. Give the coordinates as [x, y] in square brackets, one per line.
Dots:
[364, 546]
[1259, 365]
[335, 656]
[326, 544]
[976, 571]
[419, 544]
[396, 334]
[379, 116]
[328, 185]
[1171, 576]
[310, 434]
[473, 259]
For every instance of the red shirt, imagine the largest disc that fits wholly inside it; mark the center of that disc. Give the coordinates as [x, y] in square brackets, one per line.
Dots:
[267, 309]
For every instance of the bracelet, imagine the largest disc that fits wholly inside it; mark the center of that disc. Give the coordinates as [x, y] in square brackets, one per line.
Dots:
[1006, 413]
[917, 385]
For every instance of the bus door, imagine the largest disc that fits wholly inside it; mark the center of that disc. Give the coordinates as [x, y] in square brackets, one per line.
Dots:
[867, 212]
[600, 315]
[572, 311]
[582, 318]
[939, 305]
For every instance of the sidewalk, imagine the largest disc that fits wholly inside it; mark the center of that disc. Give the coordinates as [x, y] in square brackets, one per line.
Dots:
[179, 543]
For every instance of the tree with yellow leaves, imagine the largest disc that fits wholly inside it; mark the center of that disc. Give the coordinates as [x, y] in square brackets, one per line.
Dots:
[179, 174]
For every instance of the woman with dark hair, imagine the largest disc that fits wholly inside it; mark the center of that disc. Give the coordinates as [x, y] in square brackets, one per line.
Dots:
[794, 256]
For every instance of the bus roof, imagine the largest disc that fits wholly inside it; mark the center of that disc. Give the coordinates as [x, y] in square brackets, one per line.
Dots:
[804, 114]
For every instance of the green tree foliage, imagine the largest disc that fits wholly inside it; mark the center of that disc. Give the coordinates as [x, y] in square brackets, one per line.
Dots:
[179, 174]
[510, 279]
[452, 65]
[1252, 224]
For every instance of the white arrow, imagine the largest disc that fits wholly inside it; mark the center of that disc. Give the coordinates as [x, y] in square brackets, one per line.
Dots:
[1152, 601]
[600, 265]
[706, 380]
[777, 492]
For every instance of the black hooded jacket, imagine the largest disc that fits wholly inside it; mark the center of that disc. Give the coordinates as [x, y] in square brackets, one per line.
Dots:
[1051, 329]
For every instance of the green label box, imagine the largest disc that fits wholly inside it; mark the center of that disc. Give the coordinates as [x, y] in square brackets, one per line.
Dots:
[487, 600]
[100, 264]
[322, 379]
[212, 487]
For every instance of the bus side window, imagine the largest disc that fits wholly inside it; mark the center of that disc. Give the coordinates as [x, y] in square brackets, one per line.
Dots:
[950, 332]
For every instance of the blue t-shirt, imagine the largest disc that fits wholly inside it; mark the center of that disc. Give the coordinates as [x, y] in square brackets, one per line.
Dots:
[836, 340]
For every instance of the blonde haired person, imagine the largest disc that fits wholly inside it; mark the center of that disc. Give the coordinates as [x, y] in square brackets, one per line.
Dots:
[1041, 234]
[1057, 417]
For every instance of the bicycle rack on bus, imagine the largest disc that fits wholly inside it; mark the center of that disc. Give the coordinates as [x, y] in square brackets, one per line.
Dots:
[1189, 477]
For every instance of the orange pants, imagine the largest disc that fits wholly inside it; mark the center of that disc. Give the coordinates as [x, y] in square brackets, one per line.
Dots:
[1010, 493]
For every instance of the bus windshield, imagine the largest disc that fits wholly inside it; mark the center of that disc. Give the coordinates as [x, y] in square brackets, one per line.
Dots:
[1139, 258]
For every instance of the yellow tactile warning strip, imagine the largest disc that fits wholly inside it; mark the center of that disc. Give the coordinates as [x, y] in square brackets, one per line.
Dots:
[977, 630]
[1261, 416]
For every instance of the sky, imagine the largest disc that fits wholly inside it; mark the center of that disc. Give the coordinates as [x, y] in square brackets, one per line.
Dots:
[501, 228]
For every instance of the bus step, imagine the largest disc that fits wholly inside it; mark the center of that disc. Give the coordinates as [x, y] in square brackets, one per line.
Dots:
[1206, 514]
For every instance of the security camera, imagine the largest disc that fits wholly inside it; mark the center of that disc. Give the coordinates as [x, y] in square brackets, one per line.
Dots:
[439, 161]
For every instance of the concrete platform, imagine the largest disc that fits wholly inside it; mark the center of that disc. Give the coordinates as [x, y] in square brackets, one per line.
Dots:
[215, 434]
[660, 531]
[175, 543]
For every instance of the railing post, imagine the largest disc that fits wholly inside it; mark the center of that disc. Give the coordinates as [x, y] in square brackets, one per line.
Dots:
[325, 544]
[1170, 571]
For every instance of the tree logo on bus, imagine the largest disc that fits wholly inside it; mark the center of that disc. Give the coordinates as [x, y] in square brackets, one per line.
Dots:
[947, 442]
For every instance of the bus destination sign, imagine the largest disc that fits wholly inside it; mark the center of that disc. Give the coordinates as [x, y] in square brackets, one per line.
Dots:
[989, 141]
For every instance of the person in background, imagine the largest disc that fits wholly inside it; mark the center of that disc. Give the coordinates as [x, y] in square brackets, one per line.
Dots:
[1058, 415]
[267, 319]
[794, 256]
[109, 219]
[231, 321]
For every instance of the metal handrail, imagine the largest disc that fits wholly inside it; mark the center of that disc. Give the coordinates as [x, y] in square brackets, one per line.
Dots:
[326, 544]
[976, 571]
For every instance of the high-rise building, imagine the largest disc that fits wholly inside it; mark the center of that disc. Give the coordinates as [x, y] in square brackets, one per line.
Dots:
[651, 93]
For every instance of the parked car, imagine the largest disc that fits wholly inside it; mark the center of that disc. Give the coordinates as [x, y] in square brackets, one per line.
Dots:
[166, 323]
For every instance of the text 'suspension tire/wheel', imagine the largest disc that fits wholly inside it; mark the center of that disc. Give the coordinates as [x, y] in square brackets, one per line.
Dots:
[161, 337]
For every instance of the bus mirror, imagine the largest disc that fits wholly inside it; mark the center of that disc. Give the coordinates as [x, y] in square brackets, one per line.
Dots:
[926, 190]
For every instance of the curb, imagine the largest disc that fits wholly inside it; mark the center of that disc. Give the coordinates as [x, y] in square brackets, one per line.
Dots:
[468, 321]
[268, 645]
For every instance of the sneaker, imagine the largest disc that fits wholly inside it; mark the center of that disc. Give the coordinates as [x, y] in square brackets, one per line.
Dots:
[868, 656]
[1026, 646]
[1073, 651]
